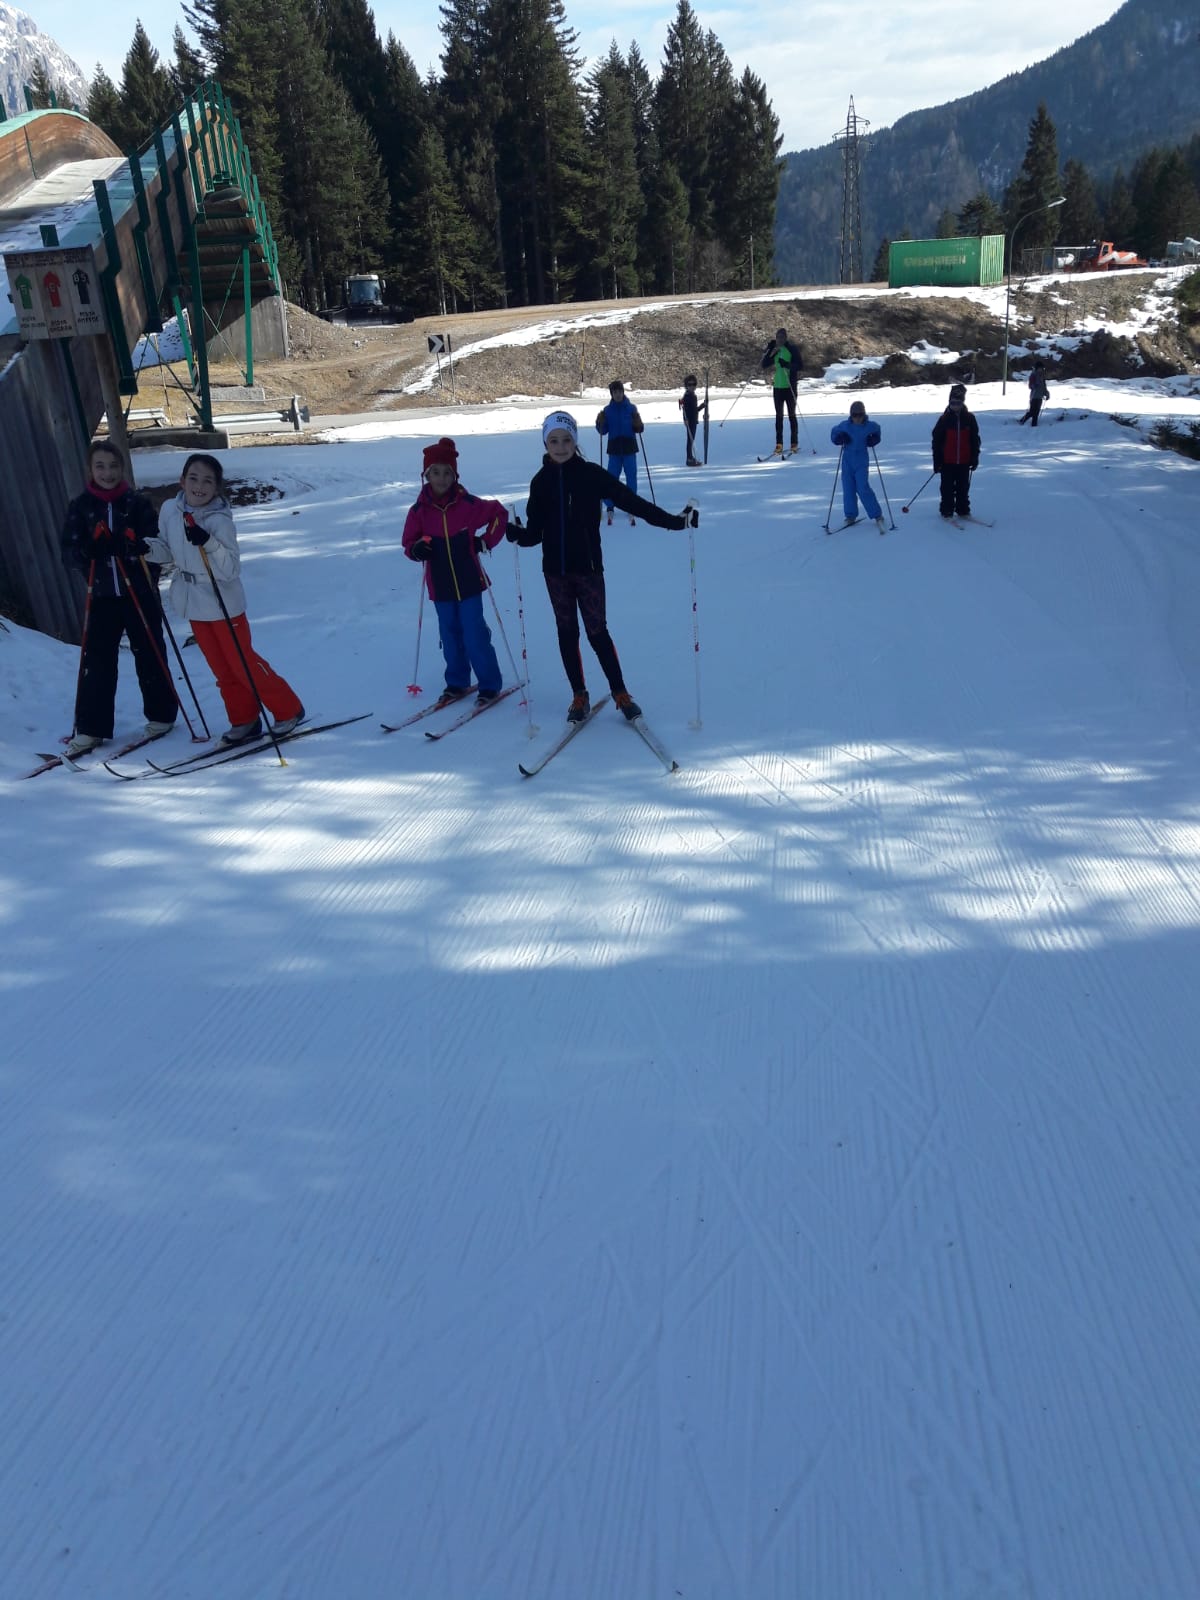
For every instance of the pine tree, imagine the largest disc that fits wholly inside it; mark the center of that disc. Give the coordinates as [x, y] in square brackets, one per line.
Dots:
[748, 171]
[1143, 186]
[669, 242]
[1173, 210]
[469, 103]
[615, 203]
[147, 95]
[41, 87]
[683, 111]
[104, 104]
[187, 72]
[1080, 217]
[1119, 217]
[980, 216]
[881, 266]
[1035, 184]
[445, 277]
[947, 224]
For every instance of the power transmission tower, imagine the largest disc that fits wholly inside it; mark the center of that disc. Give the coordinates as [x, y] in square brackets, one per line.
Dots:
[852, 139]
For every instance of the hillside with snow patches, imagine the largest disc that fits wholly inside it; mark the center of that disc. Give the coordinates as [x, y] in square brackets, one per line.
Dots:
[775, 1178]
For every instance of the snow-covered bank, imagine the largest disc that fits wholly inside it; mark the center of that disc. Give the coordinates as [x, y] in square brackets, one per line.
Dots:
[773, 1180]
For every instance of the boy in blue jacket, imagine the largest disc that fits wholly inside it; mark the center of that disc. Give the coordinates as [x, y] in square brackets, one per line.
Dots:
[620, 421]
[858, 436]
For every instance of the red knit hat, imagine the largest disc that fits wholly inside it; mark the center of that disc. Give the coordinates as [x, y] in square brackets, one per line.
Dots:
[444, 452]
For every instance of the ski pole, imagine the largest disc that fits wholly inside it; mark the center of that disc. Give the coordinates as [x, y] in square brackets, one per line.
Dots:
[883, 485]
[925, 485]
[697, 723]
[736, 398]
[414, 687]
[649, 476]
[178, 653]
[504, 635]
[87, 617]
[237, 645]
[833, 491]
[158, 655]
[807, 435]
[531, 730]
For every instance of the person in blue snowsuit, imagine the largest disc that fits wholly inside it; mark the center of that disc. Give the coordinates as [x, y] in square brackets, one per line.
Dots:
[620, 421]
[858, 436]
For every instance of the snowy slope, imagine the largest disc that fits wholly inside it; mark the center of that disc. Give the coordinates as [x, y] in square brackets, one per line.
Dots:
[773, 1180]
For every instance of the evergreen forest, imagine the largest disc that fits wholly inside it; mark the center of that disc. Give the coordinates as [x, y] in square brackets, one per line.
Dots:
[517, 176]
[1158, 200]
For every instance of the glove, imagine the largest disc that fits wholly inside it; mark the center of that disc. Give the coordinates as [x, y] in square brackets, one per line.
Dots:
[134, 543]
[691, 515]
[420, 551]
[514, 530]
[841, 438]
[480, 545]
[599, 422]
[193, 532]
[101, 545]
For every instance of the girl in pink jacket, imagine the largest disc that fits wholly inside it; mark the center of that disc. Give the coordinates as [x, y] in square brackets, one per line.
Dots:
[449, 529]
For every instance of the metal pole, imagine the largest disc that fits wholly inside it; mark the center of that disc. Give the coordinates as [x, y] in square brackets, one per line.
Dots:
[1012, 250]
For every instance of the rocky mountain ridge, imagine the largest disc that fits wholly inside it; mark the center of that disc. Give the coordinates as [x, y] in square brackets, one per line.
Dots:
[22, 45]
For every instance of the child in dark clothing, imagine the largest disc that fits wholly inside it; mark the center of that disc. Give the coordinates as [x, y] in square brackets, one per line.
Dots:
[691, 406]
[105, 535]
[563, 516]
[1038, 393]
[956, 453]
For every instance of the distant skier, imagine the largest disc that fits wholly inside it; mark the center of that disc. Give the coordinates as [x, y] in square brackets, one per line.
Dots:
[782, 358]
[691, 406]
[621, 422]
[449, 529]
[956, 453]
[1038, 393]
[858, 436]
[564, 518]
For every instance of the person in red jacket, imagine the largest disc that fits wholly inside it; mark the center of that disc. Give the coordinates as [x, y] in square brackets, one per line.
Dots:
[956, 453]
[449, 529]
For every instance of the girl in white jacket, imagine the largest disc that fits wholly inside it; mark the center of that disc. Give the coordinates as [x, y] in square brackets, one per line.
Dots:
[199, 520]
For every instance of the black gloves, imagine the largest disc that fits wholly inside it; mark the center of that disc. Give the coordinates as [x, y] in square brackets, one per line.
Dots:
[480, 545]
[193, 532]
[514, 530]
[841, 438]
[101, 545]
[420, 551]
[691, 515]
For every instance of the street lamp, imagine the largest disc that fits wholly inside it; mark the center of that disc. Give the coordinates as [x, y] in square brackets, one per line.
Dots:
[1012, 250]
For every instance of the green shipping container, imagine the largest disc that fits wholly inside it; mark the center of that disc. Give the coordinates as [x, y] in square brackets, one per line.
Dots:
[923, 262]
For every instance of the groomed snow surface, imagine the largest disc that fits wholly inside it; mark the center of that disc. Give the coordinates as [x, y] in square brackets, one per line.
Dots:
[776, 1180]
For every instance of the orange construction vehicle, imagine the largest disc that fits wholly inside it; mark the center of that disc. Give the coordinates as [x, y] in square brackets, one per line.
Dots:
[1099, 256]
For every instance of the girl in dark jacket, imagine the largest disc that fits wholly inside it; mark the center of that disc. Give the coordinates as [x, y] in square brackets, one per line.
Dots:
[956, 453]
[104, 537]
[563, 516]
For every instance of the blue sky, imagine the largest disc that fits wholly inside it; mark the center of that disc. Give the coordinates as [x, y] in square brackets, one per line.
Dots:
[812, 57]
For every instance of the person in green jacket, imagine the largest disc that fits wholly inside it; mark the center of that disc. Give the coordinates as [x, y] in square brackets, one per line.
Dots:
[782, 359]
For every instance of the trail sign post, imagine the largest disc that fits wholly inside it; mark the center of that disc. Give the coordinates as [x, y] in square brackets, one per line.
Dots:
[56, 293]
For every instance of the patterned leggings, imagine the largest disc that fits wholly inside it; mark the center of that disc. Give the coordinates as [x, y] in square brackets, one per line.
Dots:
[574, 595]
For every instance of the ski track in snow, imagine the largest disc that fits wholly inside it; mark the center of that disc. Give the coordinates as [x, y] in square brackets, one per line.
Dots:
[774, 1178]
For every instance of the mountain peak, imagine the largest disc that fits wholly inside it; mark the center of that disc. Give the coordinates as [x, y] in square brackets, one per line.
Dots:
[22, 45]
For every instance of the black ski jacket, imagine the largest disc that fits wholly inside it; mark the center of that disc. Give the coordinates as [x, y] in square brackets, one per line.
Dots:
[96, 529]
[563, 514]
